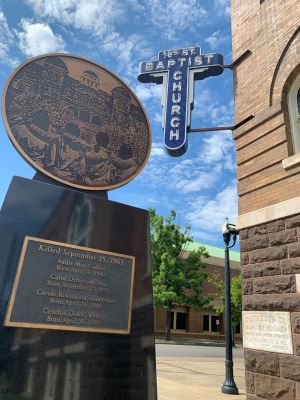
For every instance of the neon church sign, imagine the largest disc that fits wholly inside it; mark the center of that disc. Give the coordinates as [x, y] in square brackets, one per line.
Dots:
[177, 70]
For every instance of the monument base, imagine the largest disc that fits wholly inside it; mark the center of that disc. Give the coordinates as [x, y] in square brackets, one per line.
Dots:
[56, 363]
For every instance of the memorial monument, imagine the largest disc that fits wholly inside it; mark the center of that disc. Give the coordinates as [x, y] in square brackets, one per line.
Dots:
[75, 272]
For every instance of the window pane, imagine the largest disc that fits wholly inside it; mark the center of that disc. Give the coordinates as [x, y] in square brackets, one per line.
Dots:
[181, 320]
[205, 322]
[214, 325]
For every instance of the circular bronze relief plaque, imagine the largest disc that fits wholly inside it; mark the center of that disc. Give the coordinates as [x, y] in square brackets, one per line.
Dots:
[76, 121]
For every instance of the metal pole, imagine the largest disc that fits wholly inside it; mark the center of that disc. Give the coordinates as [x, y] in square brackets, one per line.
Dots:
[222, 128]
[229, 386]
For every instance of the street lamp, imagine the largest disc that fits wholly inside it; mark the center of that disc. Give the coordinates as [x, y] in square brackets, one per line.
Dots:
[229, 386]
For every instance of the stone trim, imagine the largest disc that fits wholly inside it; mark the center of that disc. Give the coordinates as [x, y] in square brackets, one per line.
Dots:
[292, 161]
[266, 214]
[297, 276]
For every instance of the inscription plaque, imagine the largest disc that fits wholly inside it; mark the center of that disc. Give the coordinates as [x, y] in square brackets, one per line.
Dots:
[68, 287]
[267, 330]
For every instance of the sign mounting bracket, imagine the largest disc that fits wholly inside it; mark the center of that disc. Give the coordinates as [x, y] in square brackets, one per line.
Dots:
[223, 128]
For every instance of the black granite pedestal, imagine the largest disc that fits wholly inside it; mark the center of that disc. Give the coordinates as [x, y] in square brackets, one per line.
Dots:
[59, 364]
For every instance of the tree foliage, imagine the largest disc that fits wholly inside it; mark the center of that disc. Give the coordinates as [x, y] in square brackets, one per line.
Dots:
[176, 281]
[235, 295]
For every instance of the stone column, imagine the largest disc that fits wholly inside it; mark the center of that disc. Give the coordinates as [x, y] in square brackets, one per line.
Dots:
[270, 268]
[268, 171]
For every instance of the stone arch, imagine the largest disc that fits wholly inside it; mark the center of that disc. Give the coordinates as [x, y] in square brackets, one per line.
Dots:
[279, 66]
[286, 107]
[96, 120]
[74, 111]
[41, 119]
[84, 116]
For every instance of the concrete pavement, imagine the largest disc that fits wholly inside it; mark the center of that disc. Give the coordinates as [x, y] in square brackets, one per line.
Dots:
[193, 378]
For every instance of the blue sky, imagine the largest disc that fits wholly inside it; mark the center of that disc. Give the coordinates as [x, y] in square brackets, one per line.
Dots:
[200, 185]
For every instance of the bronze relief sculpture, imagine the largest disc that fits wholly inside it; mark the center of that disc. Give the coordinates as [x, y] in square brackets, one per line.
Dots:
[76, 121]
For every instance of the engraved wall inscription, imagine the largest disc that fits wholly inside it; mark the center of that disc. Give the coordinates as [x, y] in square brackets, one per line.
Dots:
[267, 330]
[62, 286]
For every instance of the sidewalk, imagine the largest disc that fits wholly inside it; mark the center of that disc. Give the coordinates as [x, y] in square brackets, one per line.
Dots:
[189, 379]
[196, 378]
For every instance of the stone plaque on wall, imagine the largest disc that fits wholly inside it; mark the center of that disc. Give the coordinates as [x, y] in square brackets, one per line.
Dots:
[267, 330]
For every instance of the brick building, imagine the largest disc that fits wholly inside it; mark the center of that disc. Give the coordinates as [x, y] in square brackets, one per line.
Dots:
[188, 323]
[267, 84]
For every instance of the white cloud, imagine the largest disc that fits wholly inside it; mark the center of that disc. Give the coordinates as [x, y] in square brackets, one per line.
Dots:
[219, 149]
[217, 39]
[210, 214]
[157, 117]
[186, 176]
[203, 180]
[111, 40]
[148, 92]
[136, 5]
[6, 41]
[202, 101]
[127, 51]
[95, 16]
[99, 19]
[205, 237]
[222, 7]
[173, 16]
[38, 39]
[221, 113]
[207, 106]
[183, 170]
[157, 150]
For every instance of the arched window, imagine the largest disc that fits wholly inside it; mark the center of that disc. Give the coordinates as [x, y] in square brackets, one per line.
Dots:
[84, 115]
[96, 120]
[294, 113]
[74, 111]
[41, 119]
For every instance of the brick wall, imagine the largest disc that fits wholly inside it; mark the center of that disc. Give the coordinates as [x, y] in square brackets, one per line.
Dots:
[159, 320]
[195, 318]
[261, 84]
[265, 29]
[194, 322]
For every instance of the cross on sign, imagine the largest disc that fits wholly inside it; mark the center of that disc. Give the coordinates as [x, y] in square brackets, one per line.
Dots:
[177, 70]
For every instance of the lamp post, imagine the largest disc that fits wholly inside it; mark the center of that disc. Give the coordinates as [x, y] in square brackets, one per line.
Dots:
[229, 386]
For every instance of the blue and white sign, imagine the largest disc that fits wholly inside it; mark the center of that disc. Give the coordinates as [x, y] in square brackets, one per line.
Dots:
[177, 70]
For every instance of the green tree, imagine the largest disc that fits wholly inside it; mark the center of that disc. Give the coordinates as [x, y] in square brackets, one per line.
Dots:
[235, 296]
[176, 281]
